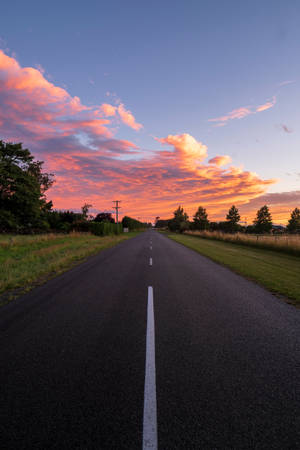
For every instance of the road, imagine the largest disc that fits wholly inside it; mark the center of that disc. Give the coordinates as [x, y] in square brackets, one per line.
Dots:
[223, 357]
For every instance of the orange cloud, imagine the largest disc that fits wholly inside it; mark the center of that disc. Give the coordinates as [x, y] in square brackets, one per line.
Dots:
[108, 110]
[90, 165]
[280, 204]
[266, 105]
[220, 160]
[128, 118]
[242, 112]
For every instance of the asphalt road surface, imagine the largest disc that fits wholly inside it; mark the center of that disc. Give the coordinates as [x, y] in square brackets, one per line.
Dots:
[128, 352]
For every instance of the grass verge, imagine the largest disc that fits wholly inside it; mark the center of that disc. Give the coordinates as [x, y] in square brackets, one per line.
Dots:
[27, 261]
[286, 243]
[278, 272]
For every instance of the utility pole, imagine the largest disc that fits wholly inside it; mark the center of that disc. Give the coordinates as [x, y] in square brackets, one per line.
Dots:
[117, 207]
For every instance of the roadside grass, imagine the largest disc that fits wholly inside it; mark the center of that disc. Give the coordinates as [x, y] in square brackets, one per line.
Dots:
[286, 243]
[27, 261]
[276, 271]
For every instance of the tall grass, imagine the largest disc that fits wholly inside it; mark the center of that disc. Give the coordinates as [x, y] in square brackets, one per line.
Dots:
[29, 260]
[286, 243]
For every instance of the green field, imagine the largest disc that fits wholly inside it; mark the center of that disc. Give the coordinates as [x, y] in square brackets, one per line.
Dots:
[27, 261]
[278, 272]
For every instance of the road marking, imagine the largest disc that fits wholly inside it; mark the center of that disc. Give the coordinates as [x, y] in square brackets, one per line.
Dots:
[150, 247]
[150, 262]
[150, 416]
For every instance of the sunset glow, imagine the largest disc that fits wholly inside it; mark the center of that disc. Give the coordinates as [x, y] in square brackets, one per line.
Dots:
[109, 148]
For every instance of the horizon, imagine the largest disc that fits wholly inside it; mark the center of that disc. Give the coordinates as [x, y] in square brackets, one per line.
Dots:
[157, 105]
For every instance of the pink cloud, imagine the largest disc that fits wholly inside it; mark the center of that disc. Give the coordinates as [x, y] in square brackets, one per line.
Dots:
[108, 109]
[266, 105]
[239, 113]
[41, 108]
[128, 118]
[242, 112]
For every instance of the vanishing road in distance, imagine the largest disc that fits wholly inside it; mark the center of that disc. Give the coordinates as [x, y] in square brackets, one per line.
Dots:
[149, 345]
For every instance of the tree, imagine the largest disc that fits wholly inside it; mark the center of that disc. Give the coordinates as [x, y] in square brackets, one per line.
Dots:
[263, 221]
[200, 219]
[179, 221]
[85, 210]
[23, 185]
[294, 222]
[132, 224]
[162, 223]
[233, 218]
[104, 217]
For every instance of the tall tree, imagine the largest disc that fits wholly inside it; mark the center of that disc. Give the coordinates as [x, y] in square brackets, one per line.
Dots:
[104, 217]
[23, 185]
[263, 221]
[233, 218]
[179, 221]
[200, 219]
[294, 222]
[85, 210]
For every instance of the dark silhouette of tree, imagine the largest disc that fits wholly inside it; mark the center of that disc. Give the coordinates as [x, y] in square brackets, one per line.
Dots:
[85, 210]
[162, 223]
[200, 219]
[294, 222]
[23, 185]
[233, 218]
[263, 221]
[104, 217]
[179, 221]
[132, 224]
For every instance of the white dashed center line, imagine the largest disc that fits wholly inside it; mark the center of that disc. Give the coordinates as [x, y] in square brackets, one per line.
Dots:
[150, 415]
[150, 262]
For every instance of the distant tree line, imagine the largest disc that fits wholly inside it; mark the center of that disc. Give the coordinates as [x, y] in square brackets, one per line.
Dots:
[262, 223]
[23, 205]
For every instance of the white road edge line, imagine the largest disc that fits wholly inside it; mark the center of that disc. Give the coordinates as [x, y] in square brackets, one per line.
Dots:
[150, 262]
[150, 415]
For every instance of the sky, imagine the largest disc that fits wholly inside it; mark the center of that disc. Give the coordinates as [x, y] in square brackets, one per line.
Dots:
[157, 104]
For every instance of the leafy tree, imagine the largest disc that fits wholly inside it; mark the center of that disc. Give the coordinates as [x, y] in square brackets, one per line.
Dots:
[200, 219]
[233, 218]
[132, 224]
[179, 221]
[22, 190]
[294, 222]
[104, 217]
[85, 210]
[162, 223]
[263, 221]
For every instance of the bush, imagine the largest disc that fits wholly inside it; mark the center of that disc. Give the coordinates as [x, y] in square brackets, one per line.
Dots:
[105, 228]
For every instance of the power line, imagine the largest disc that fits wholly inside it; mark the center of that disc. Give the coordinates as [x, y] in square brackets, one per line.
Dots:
[117, 207]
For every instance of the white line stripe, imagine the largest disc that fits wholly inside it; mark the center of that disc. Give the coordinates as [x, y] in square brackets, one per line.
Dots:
[150, 262]
[150, 416]
[150, 247]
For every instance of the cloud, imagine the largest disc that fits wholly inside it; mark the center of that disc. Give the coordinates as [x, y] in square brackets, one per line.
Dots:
[186, 148]
[280, 204]
[220, 160]
[286, 129]
[266, 105]
[31, 105]
[285, 83]
[242, 112]
[108, 110]
[78, 144]
[128, 118]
